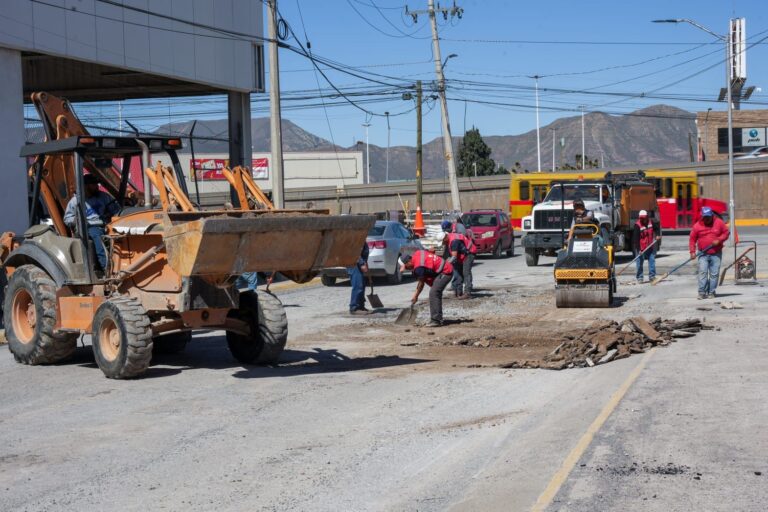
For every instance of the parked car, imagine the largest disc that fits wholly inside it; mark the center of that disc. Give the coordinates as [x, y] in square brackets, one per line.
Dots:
[755, 153]
[491, 231]
[387, 240]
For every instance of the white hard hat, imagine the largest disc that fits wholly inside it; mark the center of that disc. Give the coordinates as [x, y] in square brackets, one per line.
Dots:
[643, 213]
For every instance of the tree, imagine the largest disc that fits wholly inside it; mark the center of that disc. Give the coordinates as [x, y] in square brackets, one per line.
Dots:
[588, 164]
[475, 156]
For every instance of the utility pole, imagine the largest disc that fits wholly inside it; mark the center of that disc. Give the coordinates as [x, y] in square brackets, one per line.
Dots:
[439, 66]
[583, 157]
[418, 144]
[367, 154]
[553, 149]
[275, 121]
[538, 140]
[386, 175]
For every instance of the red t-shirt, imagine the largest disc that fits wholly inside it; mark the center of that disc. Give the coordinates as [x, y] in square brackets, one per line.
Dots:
[702, 236]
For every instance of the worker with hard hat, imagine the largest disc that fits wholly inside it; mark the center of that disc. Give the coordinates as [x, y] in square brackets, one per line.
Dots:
[645, 233]
[433, 270]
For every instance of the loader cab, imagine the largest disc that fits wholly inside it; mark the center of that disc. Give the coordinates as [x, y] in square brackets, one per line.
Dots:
[57, 175]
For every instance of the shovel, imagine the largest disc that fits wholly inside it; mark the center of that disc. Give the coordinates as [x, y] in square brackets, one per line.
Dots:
[634, 260]
[374, 299]
[407, 316]
[660, 279]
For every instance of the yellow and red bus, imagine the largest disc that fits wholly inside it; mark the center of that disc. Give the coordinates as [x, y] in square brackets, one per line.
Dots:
[677, 194]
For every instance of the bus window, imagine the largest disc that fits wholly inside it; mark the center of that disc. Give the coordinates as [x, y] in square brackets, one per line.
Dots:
[539, 193]
[680, 204]
[524, 191]
[688, 197]
[667, 190]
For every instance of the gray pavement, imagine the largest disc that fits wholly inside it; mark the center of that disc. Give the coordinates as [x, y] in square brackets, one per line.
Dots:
[339, 426]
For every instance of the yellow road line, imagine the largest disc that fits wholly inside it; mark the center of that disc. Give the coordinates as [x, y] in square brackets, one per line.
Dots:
[752, 222]
[570, 461]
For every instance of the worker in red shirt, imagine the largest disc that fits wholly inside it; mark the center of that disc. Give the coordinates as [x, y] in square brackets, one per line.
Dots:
[429, 268]
[708, 231]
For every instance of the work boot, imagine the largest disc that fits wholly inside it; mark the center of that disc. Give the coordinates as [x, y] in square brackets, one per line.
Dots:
[711, 295]
[702, 296]
[464, 296]
[435, 323]
[359, 312]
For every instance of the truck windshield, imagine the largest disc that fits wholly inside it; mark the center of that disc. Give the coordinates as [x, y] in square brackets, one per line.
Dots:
[573, 192]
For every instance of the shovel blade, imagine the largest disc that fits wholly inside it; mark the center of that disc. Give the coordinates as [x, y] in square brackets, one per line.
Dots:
[375, 301]
[406, 316]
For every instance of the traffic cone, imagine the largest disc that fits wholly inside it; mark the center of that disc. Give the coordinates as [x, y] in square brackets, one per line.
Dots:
[418, 223]
[735, 233]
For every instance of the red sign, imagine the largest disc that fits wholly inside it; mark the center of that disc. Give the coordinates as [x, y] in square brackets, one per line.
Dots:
[209, 169]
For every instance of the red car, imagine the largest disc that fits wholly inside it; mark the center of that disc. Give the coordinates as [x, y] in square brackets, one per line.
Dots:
[491, 231]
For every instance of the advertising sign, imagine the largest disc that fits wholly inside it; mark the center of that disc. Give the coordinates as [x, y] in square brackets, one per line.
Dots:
[752, 137]
[209, 169]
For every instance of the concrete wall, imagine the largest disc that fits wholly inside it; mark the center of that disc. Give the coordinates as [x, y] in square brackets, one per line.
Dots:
[13, 183]
[302, 170]
[98, 32]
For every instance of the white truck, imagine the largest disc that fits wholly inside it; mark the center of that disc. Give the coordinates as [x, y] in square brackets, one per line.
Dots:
[614, 202]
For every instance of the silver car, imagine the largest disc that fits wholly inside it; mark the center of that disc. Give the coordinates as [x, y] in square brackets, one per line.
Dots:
[387, 240]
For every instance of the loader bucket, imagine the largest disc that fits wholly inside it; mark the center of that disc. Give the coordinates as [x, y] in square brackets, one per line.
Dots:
[231, 242]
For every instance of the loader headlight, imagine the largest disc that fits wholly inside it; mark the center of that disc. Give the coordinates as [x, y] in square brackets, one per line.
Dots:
[527, 224]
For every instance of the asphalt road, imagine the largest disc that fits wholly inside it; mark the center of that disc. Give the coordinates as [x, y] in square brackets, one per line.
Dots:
[341, 425]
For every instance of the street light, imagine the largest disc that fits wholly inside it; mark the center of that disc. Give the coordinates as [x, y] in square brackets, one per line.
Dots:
[538, 140]
[367, 125]
[451, 56]
[729, 99]
[706, 134]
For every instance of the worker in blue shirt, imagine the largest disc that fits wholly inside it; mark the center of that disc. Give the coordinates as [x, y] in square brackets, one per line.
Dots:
[99, 209]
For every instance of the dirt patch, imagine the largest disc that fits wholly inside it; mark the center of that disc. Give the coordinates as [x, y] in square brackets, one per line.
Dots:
[513, 329]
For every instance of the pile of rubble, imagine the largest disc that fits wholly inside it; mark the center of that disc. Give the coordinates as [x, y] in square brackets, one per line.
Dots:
[606, 340]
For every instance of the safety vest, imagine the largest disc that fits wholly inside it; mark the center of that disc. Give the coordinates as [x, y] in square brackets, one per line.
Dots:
[434, 264]
[646, 234]
[452, 237]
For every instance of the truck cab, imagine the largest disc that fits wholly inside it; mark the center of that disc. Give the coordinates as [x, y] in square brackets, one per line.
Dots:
[545, 230]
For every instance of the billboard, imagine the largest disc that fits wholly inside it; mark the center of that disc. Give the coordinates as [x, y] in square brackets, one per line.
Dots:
[210, 169]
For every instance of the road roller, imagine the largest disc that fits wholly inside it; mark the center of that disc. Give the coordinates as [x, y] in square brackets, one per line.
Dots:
[584, 270]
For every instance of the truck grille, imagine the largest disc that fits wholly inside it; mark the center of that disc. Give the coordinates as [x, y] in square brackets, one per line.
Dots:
[550, 219]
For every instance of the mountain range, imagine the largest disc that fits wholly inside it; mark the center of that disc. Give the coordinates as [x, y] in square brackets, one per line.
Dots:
[658, 133]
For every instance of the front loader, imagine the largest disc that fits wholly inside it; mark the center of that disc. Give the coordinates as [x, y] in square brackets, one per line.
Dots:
[171, 267]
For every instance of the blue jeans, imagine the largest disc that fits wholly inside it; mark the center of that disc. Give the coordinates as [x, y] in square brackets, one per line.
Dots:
[248, 280]
[651, 257]
[709, 269]
[357, 300]
[95, 233]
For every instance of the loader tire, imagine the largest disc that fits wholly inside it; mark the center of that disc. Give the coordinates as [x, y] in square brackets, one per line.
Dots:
[171, 343]
[266, 315]
[122, 338]
[30, 317]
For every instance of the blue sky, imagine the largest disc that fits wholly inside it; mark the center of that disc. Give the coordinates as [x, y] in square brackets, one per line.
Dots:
[501, 42]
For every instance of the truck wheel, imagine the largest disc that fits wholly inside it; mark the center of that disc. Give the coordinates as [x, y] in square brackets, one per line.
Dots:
[327, 280]
[531, 257]
[497, 250]
[397, 277]
[171, 343]
[269, 325]
[30, 314]
[122, 338]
